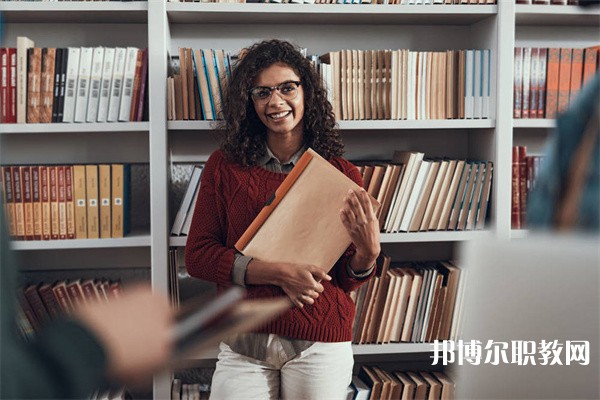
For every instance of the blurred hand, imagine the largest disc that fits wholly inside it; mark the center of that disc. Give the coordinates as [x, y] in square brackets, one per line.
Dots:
[362, 225]
[135, 330]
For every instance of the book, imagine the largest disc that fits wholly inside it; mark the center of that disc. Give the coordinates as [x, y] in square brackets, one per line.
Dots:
[70, 92]
[47, 84]
[131, 61]
[120, 177]
[188, 198]
[80, 201]
[116, 84]
[95, 84]
[34, 84]
[83, 84]
[91, 184]
[104, 192]
[36, 195]
[279, 232]
[23, 43]
[201, 323]
[108, 63]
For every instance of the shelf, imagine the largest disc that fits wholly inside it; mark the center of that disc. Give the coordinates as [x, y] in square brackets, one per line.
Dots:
[357, 349]
[534, 123]
[391, 348]
[135, 240]
[83, 127]
[74, 12]
[365, 125]
[404, 237]
[367, 14]
[549, 15]
[442, 236]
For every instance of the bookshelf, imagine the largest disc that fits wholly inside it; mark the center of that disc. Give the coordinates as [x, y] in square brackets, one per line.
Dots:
[163, 27]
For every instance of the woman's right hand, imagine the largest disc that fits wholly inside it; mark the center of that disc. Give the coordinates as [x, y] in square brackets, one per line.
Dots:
[301, 282]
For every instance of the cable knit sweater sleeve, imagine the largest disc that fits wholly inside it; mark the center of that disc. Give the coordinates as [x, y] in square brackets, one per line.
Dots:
[206, 254]
[339, 271]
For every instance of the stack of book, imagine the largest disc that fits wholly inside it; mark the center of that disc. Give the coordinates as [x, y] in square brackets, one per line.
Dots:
[74, 84]
[525, 171]
[195, 84]
[189, 391]
[418, 194]
[45, 202]
[374, 382]
[42, 302]
[406, 84]
[408, 302]
[546, 80]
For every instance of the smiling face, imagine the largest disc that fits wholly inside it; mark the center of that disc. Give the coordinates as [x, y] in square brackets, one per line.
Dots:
[280, 116]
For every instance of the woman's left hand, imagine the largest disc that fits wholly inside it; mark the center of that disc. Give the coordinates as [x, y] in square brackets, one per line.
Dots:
[361, 222]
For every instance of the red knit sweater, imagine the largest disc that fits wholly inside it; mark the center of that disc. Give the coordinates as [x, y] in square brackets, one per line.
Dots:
[229, 199]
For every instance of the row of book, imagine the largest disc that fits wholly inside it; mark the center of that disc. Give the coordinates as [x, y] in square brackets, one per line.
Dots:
[74, 84]
[525, 172]
[406, 84]
[189, 391]
[47, 202]
[183, 218]
[42, 302]
[408, 302]
[400, 2]
[418, 194]
[374, 382]
[195, 84]
[546, 80]
[550, 2]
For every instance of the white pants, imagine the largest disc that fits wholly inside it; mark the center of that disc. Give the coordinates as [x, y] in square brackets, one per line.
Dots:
[323, 371]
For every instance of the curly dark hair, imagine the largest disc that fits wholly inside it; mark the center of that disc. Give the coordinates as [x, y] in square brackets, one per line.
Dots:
[244, 135]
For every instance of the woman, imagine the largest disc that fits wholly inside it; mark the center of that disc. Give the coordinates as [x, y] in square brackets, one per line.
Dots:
[274, 108]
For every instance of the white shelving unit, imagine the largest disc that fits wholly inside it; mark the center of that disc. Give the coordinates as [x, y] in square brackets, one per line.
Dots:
[164, 27]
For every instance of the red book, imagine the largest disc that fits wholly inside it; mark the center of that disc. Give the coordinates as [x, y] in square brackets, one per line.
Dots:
[4, 84]
[9, 199]
[60, 291]
[37, 202]
[522, 186]
[590, 63]
[143, 83]
[515, 202]
[36, 303]
[552, 83]
[18, 203]
[12, 89]
[50, 300]
[75, 292]
[534, 82]
[576, 73]
[136, 85]
[564, 78]
[45, 196]
[25, 172]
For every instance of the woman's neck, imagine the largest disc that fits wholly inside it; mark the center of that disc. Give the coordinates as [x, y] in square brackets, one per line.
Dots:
[284, 147]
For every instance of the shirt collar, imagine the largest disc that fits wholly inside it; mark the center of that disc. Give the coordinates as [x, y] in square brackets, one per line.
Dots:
[270, 157]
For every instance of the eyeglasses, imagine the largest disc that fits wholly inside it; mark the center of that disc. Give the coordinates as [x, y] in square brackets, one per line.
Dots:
[287, 91]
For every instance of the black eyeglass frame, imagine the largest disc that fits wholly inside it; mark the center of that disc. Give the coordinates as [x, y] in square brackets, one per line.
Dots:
[272, 89]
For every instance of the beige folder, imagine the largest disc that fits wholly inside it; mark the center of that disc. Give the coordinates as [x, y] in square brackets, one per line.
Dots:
[301, 223]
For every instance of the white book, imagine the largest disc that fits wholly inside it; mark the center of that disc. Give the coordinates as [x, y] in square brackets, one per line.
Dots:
[107, 72]
[116, 85]
[410, 92]
[184, 207]
[128, 78]
[190, 215]
[83, 83]
[408, 181]
[487, 87]
[423, 296]
[415, 194]
[428, 305]
[469, 84]
[95, 84]
[477, 80]
[23, 43]
[71, 84]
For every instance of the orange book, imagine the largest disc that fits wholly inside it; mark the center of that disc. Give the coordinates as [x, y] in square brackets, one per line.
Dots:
[576, 73]
[135, 94]
[590, 63]
[69, 200]
[552, 82]
[308, 200]
[18, 203]
[54, 212]
[34, 78]
[564, 78]
[62, 202]
[9, 206]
